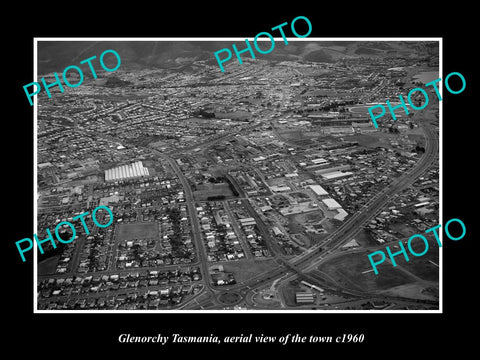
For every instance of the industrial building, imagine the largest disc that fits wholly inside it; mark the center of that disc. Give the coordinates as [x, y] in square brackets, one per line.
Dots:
[247, 221]
[319, 161]
[332, 169]
[276, 188]
[342, 214]
[331, 204]
[335, 175]
[312, 286]
[304, 298]
[317, 189]
[124, 172]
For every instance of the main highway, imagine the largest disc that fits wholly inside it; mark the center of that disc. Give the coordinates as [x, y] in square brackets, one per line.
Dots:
[192, 213]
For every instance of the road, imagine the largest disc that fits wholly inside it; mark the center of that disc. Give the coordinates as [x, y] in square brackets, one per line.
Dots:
[214, 139]
[195, 226]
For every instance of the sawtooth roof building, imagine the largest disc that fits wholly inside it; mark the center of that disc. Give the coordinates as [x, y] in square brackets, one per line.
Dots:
[124, 172]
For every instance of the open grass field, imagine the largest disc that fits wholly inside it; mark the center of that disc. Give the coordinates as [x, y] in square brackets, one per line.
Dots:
[403, 229]
[422, 266]
[138, 230]
[301, 218]
[415, 291]
[295, 135]
[348, 270]
[364, 239]
[288, 294]
[48, 266]
[229, 298]
[206, 190]
[234, 115]
[247, 268]
[364, 139]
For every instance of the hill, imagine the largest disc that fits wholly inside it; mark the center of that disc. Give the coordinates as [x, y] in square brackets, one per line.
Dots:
[56, 55]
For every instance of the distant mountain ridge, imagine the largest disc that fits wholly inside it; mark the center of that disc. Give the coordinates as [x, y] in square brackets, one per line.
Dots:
[56, 55]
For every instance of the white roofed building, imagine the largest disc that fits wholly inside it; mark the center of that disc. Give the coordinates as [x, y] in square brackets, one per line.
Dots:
[335, 175]
[331, 204]
[124, 172]
[317, 189]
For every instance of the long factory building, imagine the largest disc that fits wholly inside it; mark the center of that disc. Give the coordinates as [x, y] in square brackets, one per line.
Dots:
[130, 171]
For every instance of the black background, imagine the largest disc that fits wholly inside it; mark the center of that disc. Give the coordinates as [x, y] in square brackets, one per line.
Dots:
[385, 334]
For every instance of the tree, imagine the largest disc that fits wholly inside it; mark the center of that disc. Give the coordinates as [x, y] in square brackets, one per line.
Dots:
[419, 148]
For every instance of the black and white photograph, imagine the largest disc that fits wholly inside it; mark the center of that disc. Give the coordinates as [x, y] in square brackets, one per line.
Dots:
[217, 181]
[264, 186]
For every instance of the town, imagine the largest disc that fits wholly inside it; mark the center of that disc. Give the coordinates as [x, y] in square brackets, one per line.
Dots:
[261, 187]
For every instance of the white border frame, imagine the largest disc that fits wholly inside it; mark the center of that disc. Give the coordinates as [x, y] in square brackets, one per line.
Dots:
[252, 311]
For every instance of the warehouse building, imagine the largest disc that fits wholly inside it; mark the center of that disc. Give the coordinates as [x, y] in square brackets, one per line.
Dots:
[304, 298]
[317, 189]
[342, 214]
[331, 204]
[335, 175]
[247, 221]
[124, 172]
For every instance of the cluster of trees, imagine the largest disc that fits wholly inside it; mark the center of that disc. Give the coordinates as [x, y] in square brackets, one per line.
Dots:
[50, 251]
[419, 149]
[113, 81]
[178, 246]
[216, 198]
[223, 179]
